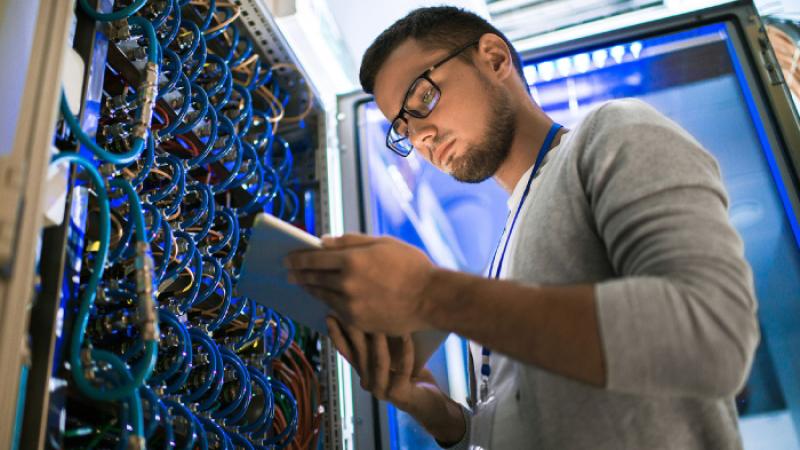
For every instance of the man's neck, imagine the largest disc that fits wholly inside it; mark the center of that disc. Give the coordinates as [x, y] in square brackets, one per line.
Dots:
[532, 125]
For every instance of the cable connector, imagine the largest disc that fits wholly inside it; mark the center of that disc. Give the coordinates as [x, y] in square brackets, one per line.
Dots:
[118, 30]
[88, 364]
[119, 103]
[145, 292]
[148, 91]
[136, 442]
[136, 53]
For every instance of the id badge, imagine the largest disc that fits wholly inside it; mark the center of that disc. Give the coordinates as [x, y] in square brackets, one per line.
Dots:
[481, 424]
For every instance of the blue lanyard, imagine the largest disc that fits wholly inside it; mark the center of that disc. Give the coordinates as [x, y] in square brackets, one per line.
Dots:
[486, 368]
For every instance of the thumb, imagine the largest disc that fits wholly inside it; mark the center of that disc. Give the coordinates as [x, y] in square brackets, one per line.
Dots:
[347, 240]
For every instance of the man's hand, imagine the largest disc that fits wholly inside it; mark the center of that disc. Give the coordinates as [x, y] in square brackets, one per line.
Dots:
[389, 376]
[375, 284]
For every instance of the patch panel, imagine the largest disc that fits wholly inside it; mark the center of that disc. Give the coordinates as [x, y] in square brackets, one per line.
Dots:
[187, 129]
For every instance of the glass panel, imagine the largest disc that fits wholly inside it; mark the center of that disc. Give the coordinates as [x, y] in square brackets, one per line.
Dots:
[415, 202]
[696, 78]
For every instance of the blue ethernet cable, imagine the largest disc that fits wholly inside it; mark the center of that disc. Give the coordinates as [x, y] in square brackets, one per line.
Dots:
[242, 398]
[186, 86]
[227, 291]
[223, 441]
[214, 368]
[177, 175]
[248, 50]
[123, 13]
[231, 232]
[162, 16]
[174, 24]
[132, 397]
[161, 267]
[240, 442]
[232, 168]
[228, 132]
[155, 223]
[206, 21]
[264, 419]
[203, 192]
[174, 271]
[166, 422]
[183, 361]
[210, 140]
[174, 69]
[223, 98]
[285, 436]
[200, 61]
[191, 296]
[216, 277]
[202, 435]
[249, 334]
[149, 159]
[236, 310]
[195, 44]
[246, 113]
[144, 112]
[216, 33]
[200, 94]
[176, 409]
[116, 158]
[152, 409]
[90, 292]
[230, 58]
[219, 65]
[150, 326]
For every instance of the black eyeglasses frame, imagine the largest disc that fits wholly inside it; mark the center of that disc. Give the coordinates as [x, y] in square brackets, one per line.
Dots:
[403, 110]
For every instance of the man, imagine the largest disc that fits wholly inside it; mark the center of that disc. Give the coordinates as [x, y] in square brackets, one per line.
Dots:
[618, 312]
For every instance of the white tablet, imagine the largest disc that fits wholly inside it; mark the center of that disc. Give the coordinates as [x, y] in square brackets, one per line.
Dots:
[263, 276]
[263, 279]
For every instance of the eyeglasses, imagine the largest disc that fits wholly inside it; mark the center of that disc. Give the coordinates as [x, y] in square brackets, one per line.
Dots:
[421, 98]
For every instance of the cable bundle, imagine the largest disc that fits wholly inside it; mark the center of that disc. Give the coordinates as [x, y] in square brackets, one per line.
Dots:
[185, 154]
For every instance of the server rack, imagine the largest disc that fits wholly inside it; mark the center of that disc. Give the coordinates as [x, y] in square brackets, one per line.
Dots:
[211, 384]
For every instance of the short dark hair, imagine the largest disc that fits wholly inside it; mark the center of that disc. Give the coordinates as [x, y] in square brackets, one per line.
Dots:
[441, 27]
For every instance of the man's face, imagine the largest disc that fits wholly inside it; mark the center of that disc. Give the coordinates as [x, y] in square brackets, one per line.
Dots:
[469, 133]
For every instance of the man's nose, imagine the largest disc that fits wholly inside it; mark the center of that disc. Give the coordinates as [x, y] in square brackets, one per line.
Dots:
[422, 134]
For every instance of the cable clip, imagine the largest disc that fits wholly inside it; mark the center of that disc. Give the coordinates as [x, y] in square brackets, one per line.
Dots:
[145, 292]
[136, 442]
[88, 366]
[148, 91]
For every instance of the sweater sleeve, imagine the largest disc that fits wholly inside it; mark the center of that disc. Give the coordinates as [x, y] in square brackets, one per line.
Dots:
[680, 318]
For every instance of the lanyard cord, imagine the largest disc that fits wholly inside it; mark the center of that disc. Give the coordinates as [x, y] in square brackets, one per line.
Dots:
[486, 368]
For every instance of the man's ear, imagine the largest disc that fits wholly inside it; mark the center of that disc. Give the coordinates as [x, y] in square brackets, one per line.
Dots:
[495, 55]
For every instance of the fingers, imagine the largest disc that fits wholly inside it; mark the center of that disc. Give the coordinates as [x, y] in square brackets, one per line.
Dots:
[348, 240]
[381, 364]
[359, 352]
[339, 340]
[406, 366]
[314, 260]
[326, 279]
[330, 297]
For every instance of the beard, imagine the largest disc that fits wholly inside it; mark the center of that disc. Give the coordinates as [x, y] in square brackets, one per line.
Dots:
[481, 161]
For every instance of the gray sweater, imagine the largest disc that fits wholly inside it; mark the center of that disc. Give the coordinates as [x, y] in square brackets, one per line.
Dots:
[631, 202]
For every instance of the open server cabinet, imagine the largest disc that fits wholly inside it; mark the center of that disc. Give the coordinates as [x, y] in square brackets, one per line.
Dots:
[120, 322]
[711, 70]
